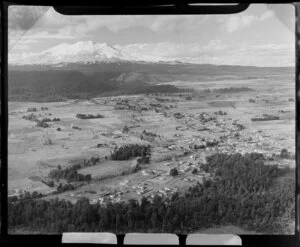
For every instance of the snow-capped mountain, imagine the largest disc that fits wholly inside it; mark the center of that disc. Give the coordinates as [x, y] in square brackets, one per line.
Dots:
[86, 52]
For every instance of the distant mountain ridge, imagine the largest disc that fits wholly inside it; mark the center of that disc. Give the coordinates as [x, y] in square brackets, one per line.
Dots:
[93, 53]
[86, 52]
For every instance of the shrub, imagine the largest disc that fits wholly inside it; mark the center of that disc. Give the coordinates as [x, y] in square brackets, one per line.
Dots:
[46, 141]
[42, 124]
[76, 127]
[31, 109]
[125, 129]
[284, 153]
[30, 117]
[143, 160]
[173, 172]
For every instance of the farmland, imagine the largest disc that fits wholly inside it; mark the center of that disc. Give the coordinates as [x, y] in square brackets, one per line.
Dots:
[182, 129]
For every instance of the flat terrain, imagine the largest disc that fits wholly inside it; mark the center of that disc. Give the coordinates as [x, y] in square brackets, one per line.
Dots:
[183, 124]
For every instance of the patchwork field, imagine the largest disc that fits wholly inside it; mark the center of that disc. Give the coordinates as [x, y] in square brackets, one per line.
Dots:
[182, 129]
[29, 156]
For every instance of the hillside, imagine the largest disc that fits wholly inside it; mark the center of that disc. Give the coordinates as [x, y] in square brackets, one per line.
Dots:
[57, 85]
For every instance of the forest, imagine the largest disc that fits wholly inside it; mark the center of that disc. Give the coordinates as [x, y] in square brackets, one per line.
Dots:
[60, 85]
[244, 191]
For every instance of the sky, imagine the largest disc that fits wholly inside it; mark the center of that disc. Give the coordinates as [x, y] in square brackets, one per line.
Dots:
[262, 35]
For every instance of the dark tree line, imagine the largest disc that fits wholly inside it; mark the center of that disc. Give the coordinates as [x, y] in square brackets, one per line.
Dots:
[40, 123]
[70, 174]
[88, 116]
[129, 151]
[244, 192]
[26, 195]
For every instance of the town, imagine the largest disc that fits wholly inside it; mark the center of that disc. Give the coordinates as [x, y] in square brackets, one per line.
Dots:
[181, 129]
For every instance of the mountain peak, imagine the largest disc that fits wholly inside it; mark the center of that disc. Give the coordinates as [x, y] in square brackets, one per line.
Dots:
[84, 52]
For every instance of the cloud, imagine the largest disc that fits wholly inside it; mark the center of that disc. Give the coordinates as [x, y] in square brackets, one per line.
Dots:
[21, 47]
[174, 23]
[176, 50]
[16, 42]
[82, 26]
[46, 35]
[183, 37]
[237, 22]
[23, 18]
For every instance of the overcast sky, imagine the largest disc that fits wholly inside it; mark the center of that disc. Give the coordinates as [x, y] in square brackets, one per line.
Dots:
[263, 35]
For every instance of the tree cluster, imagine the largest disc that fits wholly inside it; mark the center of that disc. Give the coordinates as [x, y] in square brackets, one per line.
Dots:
[211, 143]
[221, 113]
[88, 116]
[173, 172]
[284, 154]
[31, 109]
[232, 90]
[64, 187]
[129, 151]
[42, 124]
[30, 117]
[70, 174]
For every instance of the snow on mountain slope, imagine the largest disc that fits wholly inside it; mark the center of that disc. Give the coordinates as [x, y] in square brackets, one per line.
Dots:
[84, 52]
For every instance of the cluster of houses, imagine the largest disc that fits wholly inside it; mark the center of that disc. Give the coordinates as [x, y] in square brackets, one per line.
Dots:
[163, 192]
[140, 189]
[108, 197]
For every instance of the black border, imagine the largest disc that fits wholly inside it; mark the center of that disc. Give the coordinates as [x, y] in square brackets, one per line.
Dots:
[135, 7]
